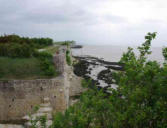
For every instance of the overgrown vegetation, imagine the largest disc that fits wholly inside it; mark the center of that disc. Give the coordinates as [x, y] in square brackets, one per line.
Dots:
[52, 49]
[24, 68]
[19, 58]
[46, 63]
[16, 46]
[140, 101]
[68, 57]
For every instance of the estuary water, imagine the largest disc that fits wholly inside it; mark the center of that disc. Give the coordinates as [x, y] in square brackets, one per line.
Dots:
[114, 53]
[102, 73]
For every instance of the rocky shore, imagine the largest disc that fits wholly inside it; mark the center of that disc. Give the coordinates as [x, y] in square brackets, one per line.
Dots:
[99, 71]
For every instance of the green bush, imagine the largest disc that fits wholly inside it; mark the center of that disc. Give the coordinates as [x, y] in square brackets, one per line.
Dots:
[46, 63]
[35, 42]
[140, 101]
[41, 42]
[48, 67]
[68, 58]
[16, 50]
[42, 65]
[15, 46]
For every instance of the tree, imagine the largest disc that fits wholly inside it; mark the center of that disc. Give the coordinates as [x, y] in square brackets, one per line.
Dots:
[140, 101]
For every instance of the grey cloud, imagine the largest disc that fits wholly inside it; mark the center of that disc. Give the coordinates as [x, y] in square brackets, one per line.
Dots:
[74, 20]
[65, 13]
[58, 16]
[114, 19]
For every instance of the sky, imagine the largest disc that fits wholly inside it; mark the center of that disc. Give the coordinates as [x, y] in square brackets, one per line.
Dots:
[93, 22]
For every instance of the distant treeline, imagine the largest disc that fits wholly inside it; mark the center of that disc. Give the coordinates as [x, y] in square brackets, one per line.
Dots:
[16, 46]
[67, 42]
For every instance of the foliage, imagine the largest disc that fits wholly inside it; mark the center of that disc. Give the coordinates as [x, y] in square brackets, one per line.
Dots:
[16, 50]
[27, 68]
[41, 42]
[164, 52]
[142, 88]
[90, 112]
[15, 46]
[48, 67]
[140, 101]
[43, 55]
[52, 49]
[68, 57]
[46, 63]
[35, 42]
[24, 48]
[20, 68]
[38, 121]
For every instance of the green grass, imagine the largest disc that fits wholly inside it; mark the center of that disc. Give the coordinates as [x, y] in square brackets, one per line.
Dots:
[52, 49]
[20, 68]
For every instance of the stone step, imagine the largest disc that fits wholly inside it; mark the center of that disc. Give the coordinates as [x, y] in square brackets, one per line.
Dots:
[45, 105]
[46, 100]
[48, 123]
[34, 116]
[48, 115]
[45, 110]
[10, 126]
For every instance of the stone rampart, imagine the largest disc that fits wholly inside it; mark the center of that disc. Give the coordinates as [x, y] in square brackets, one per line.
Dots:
[18, 97]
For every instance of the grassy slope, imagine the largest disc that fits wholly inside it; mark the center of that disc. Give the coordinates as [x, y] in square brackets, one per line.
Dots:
[20, 68]
[52, 49]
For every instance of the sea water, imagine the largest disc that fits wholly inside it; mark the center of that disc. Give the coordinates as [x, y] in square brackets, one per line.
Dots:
[114, 53]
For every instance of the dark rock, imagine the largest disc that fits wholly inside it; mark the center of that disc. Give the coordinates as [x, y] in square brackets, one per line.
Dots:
[119, 68]
[106, 76]
[81, 68]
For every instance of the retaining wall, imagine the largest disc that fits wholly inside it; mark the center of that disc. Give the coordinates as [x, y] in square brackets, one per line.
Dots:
[18, 97]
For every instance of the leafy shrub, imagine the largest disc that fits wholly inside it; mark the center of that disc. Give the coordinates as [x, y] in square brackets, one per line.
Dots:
[15, 46]
[10, 38]
[138, 102]
[164, 52]
[16, 50]
[68, 58]
[35, 42]
[48, 67]
[41, 42]
[46, 63]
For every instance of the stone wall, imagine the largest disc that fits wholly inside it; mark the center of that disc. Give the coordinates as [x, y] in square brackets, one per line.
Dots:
[18, 97]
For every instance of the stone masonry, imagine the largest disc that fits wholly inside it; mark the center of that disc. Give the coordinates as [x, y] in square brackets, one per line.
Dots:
[18, 97]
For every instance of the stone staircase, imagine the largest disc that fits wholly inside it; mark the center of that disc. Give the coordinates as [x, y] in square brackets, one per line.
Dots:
[45, 109]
